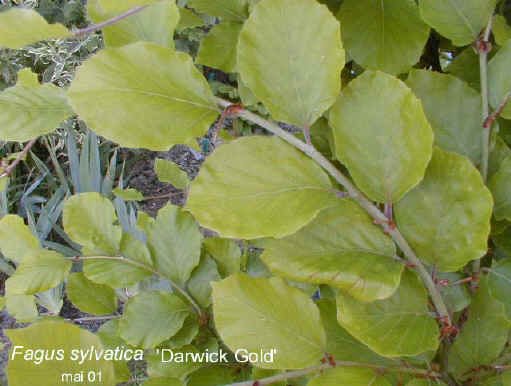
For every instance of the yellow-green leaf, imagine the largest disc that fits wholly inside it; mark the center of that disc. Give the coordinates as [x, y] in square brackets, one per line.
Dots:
[89, 219]
[172, 105]
[226, 253]
[292, 59]
[89, 297]
[349, 376]
[266, 314]
[458, 20]
[152, 317]
[118, 6]
[220, 47]
[501, 30]
[155, 24]
[20, 27]
[30, 109]
[259, 186]
[128, 194]
[382, 137]
[452, 186]
[398, 326]
[38, 272]
[21, 307]
[386, 35]
[188, 19]
[499, 79]
[171, 173]
[232, 10]
[453, 109]
[341, 247]
[174, 240]
[500, 186]
[16, 240]
[482, 337]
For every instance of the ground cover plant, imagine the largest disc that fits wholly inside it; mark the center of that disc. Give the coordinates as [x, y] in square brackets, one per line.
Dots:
[350, 221]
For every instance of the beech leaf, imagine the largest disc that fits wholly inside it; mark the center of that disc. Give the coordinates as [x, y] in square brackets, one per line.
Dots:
[384, 137]
[170, 106]
[290, 55]
[258, 187]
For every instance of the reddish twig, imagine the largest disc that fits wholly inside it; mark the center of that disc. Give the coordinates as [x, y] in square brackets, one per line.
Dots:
[230, 111]
[488, 123]
[22, 155]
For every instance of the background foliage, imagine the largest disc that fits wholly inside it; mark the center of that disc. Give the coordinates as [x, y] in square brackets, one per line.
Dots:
[365, 236]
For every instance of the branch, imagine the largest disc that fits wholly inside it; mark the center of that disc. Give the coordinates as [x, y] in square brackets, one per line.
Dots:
[22, 155]
[358, 196]
[334, 364]
[94, 318]
[488, 123]
[483, 46]
[183, 292]
[111, 21]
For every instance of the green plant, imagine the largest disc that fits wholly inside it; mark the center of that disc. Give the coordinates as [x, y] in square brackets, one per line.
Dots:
[386, 251]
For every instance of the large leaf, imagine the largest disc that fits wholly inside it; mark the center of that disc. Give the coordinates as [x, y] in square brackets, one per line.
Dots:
[89, 219]
[89, 297]
[154, 24]
[340, 247]
[349, 376]
[257, 187]
[290, 55]
[386, 35]
[174, 240]
[398, 326]
[20, 27]
[499, 79]
[452, 186]
[54, 335]
[251, 314]
[500, 186]
[453, 109]
[383, 137]
[482, 337]
[30, 109]
[219, 48]
[233, 10]
[38, 272]
[170, 104]
[459, 20]
[152, 317]
[16, 240]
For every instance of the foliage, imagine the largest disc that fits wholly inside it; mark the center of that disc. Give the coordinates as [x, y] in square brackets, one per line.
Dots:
[373, 251]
